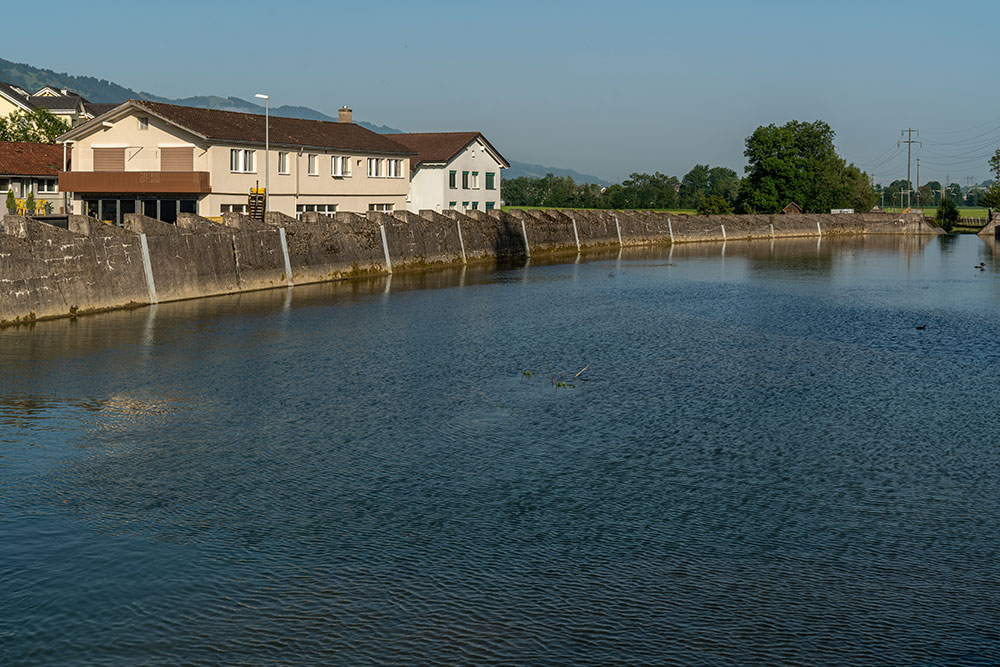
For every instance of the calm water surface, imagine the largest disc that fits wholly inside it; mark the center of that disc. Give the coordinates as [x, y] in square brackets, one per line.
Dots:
[765, 461]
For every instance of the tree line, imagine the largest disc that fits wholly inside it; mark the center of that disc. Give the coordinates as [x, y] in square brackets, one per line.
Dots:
[796, 162]
[703, 185]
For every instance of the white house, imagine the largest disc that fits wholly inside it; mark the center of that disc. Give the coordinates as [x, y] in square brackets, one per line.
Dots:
[453, 170]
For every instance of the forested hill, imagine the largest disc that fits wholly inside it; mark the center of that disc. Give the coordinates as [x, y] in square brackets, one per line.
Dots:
[94, 89]
[101, 90]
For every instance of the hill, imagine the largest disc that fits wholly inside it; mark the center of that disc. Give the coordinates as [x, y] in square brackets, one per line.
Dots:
[518, 169]
[101, 90]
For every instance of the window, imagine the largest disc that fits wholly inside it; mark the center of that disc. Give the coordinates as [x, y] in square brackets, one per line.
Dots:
[341, 166]
[490, 205]
[475, 206]
[465, 180]
[242, 161]
[323, 209]
[380, 207]
[233, 208]
[465, 206]
[475, 180]
[394, 168]
[490, 182]
[374, 168]
[452, 204]
[143, 122]
[47, 185]
[313, 162]
[451, 179]
[282, 162]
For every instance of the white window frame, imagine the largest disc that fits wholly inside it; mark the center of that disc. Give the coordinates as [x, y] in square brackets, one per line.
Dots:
[383, 208]
[242, 161]
[232, 208]
[283, 163]
[323, 209]
[41, 183]
[312, 164]
[375, 167]
[474, 180]
[394, 168]
[340, 166]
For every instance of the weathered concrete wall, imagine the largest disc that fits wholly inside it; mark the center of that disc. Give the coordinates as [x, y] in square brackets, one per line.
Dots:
[48, 272]
[990, 230]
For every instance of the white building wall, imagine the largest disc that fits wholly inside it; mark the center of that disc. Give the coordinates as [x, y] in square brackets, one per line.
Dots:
[429, 185]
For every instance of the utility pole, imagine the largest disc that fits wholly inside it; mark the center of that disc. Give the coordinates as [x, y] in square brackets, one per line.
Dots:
[918, 182]
[909, 145]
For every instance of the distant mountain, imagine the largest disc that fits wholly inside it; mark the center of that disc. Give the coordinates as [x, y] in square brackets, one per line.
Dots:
[96, 90]
[518, 169]
[101, 90]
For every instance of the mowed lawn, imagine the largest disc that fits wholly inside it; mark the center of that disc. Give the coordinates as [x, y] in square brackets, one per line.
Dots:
[963, 211]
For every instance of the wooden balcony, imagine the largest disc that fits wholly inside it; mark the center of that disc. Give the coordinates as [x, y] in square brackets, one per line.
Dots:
[135, 182]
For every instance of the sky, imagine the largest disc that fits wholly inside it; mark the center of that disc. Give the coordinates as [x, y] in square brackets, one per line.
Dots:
[606, 88]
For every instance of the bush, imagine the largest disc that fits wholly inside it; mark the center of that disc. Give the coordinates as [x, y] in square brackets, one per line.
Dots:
[11, 203]
[714, 205]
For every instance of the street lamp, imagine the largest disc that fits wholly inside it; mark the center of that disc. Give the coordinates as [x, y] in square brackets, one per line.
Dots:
[267, 149]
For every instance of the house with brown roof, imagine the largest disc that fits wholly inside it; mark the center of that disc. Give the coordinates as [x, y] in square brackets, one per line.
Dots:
[27, 168]
[163, 159]
[453, 170]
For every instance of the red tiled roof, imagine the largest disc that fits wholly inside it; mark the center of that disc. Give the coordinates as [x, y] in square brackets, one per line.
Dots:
[440, 146]
[232, 126]
[25, 159]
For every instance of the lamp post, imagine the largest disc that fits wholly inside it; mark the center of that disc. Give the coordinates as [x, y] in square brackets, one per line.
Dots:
[267, 150]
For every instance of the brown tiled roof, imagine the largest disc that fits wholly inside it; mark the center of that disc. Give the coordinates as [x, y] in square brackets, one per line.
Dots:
[440, 146]
[230, 126]
[24, 159]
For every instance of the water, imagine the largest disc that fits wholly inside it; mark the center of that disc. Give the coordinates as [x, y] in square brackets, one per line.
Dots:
[765, 461]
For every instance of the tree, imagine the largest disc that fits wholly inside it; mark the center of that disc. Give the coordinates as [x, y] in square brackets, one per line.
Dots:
[29, 203]
[798, 162]
[723, 182]
[714, 205]
[991, 197]
[35, 126]
[947, 214]
[694, 186]
[11, 202]
[995, 165]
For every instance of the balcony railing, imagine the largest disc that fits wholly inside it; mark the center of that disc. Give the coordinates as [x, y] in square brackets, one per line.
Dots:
[135, 182]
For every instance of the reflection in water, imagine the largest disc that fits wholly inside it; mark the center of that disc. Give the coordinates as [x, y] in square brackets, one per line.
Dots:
[767, 463]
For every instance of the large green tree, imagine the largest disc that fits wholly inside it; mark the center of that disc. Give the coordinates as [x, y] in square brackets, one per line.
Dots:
[36, 126]
[798, 162]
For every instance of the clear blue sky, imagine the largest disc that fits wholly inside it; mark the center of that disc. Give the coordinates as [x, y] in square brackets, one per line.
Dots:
[602, 87]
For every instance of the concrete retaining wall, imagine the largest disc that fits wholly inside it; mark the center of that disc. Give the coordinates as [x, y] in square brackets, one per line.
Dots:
[46, 272]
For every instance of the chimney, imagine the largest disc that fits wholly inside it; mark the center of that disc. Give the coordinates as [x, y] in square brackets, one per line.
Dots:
[344, 115]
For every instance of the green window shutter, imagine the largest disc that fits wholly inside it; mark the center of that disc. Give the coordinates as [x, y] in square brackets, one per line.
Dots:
[451, 179]
[465, 180]
[489, 181]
